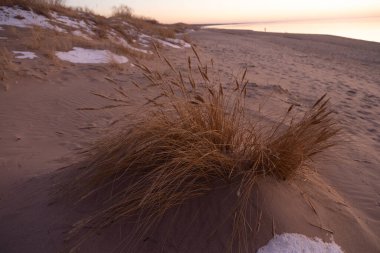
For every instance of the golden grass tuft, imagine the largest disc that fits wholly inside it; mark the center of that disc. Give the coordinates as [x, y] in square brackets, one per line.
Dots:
[6, 57]
[195, 136]
[147, 25]
[34, 42]
[42, 7]
[45, 7]
[6, 65]
[103, 28]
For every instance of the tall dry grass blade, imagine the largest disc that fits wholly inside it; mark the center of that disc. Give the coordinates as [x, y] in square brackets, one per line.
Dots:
[157, 51]
[136, 84]
[170, 65]
[244, 74]
[110, 98]
[204, 76]
[196, 54]
[101, 108]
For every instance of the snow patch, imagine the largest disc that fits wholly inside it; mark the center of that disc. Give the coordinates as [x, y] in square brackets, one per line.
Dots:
[83, 55]
[74, 23]
[1, 28]
[144, 40]
[113, 36]
[24, 55]
[22, 18]
[3, 38]
[81, 34]
[296, 243]
[182, 43]
[128, 24]
[167, 43]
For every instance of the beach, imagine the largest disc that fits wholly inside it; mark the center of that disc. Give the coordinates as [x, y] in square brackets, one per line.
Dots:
[338, 198]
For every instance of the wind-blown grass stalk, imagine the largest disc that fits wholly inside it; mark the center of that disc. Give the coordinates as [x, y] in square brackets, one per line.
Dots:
[195, 137]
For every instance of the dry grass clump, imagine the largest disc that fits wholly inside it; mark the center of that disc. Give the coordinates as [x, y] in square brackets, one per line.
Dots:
[6, 65]
[48, 41]
[86, 10]
[147, 25]
[34, 41]
[45, 7]
[119, 49]
[6, 57]
[152, 27]
[122, 11]
[196, 136]
[42, 7]
[180, 27]
[109, 33]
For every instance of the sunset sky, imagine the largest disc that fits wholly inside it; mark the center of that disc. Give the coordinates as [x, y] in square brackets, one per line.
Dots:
[220, 11]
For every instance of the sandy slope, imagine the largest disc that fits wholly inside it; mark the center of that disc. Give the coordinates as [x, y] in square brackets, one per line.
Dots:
[303, 67]
[41, 130]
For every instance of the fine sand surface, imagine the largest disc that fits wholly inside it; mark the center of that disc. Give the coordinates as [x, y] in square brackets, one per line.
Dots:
[337, 199]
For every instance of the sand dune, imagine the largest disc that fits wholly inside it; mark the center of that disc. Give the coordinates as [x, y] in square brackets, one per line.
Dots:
[42, 131]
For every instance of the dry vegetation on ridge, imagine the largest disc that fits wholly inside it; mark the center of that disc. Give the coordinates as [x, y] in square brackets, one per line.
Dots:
[123, 33]
[120, 13]
[43, 7]
[196, 137]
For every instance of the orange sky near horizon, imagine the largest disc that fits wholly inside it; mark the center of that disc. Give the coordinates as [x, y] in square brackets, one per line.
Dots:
[223, 11]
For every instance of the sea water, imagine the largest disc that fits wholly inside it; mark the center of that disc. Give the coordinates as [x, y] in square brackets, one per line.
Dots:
[356, 28]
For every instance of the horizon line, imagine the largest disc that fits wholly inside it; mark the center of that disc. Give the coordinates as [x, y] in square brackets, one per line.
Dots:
[278, 21]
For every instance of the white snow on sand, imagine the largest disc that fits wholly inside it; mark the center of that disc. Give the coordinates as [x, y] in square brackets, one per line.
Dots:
[174, 43]
[129, 25]
[119, 40]
[15, 16]
[144, 39]
[24, 55]
[82, 55]
[167, 44]
[22, 18]
[74, 23]
[296, 243]
[113, 35]
[182, 43]
[81, 34]
[3, 38]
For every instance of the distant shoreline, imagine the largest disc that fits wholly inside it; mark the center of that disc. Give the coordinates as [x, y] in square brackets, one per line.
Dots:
[283, 21]
[300, 36]
[363, 29]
